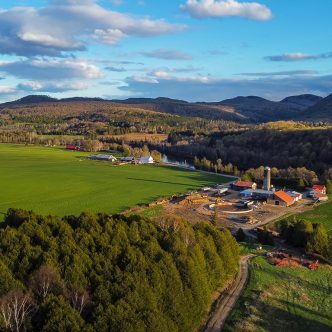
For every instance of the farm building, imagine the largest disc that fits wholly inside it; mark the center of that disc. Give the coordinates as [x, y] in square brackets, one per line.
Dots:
[146, 160]
[75, 148]
[128, 159]
[321, 189]
[105, 157]
[297, 196]
[320, 197]
[281, 198]
[243, 185]
[258, 194]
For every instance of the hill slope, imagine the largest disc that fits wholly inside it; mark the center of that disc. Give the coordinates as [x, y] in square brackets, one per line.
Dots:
[322, 111]
[249, 109]
[302, 101]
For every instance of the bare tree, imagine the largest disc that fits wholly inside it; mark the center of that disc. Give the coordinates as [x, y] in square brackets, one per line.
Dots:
[15, 308]
[79, 298]
[44, 281]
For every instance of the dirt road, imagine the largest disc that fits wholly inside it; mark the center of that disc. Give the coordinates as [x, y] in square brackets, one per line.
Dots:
[225, 303]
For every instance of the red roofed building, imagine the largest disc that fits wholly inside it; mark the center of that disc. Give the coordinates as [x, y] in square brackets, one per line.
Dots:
[281, 198]
[243, 185]
[321, 189]
[71, 147]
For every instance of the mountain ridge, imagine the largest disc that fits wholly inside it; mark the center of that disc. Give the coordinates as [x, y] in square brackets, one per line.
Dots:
[250, 109]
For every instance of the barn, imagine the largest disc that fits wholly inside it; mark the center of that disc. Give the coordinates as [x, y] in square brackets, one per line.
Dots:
[243, 185]
[281, 198]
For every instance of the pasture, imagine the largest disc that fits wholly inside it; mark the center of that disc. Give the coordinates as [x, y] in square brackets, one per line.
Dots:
[56, 181]
[321, 214]
[283, 299]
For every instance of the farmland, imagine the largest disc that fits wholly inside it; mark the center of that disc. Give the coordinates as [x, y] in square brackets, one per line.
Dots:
[56, 181]
[322, 214]
[298, 300]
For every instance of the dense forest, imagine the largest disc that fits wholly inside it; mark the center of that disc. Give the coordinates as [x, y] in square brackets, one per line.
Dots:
[98, 118]
[262, 145]
[109, 273]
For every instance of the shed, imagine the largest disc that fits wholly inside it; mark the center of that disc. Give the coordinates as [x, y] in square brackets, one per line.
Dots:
[128, 159]
[105, 157]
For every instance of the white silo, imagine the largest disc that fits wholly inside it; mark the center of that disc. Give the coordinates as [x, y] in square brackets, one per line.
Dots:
[267, 178]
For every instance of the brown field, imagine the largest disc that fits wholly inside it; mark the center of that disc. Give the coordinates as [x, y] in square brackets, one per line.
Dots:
[140, 137]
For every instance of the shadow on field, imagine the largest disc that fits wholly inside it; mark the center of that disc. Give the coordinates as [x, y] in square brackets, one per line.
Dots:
[324, 285]
[258, 314]
[158, 181]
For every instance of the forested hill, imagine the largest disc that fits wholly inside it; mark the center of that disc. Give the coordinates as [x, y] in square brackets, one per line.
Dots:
[101, 273]
[250, 109]
[321, 110]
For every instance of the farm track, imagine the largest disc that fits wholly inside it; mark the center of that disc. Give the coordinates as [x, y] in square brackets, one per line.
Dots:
[228, 298]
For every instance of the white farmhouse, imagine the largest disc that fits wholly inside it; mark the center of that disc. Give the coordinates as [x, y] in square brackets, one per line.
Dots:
[146, 160]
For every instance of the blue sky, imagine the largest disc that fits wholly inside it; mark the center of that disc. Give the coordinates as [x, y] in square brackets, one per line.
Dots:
[197, 50]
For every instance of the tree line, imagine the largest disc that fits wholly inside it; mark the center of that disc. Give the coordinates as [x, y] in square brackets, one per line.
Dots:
[97, 272]
[313, 237]
[262, 145]
[295, 177]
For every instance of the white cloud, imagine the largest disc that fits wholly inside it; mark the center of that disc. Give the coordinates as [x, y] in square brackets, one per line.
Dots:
[282, 73]
[109, 36]
[67, 25]
[142, 79]
[208, 88]
[224, 8]
[51, 69]
[6, 90]
[35, 86]
[167, 54]
[289, 57]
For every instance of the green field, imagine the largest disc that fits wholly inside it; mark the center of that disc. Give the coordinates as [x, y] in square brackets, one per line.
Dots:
[284, 299]
[322, 214]
[56, 181]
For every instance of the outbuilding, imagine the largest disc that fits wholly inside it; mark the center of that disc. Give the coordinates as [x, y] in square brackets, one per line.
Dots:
[103, 157]
[297, 196]
[243, 185]
[258, 194]
[128, 159]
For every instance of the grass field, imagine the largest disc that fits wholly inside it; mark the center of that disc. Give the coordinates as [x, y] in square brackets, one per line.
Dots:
[322, 214]
[56, 181]
[284, 299]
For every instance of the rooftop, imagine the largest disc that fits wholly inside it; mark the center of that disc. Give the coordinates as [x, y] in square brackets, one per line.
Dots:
[284, 196]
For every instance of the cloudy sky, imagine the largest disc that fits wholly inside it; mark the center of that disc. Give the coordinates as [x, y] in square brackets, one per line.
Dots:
[197, 50]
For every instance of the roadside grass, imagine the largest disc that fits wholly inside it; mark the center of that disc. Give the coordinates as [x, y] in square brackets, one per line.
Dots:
[247, 248]
[283, 299]
[56, 181]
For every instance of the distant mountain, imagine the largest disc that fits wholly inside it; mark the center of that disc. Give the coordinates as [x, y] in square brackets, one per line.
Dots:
[31, 99]
[322, 111]
[302, 101]
[184, 108]
[251, 109]
[258, 109]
